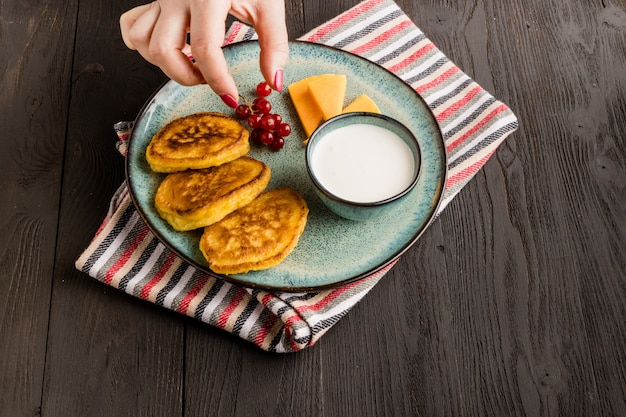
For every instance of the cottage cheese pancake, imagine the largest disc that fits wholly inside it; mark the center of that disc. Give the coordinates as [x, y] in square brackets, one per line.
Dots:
[196, 198]
[257, 236]
[197, 141]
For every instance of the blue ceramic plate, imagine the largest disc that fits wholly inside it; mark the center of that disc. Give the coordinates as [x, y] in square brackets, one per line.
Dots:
[332, 251]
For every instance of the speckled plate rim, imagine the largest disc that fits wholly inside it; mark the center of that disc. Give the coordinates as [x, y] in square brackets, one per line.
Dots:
[136, 149]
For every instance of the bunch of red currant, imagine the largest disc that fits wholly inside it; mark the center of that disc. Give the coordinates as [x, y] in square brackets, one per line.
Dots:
[267, 128]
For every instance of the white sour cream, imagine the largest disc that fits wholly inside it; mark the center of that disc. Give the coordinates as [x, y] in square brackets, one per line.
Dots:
[363, 163]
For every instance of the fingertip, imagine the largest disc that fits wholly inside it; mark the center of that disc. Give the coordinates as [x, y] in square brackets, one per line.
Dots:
[272, 62]
[210, 61]
[229, 100]
[278, 80]
[273, 57]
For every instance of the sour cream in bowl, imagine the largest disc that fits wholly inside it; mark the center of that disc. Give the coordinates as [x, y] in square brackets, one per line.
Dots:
[362, 164]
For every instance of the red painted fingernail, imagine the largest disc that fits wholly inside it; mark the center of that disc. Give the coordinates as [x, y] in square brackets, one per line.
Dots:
[229, 100]
[278, 80]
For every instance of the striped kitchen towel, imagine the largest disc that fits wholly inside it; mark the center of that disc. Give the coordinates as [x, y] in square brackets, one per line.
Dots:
[126, 255]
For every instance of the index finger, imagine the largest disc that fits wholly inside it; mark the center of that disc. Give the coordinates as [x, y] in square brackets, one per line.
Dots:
[207, 27]
[273, 41]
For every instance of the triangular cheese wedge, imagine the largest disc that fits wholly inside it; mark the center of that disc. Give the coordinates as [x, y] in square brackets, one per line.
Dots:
[308, 112]
[329, 94]
[362, 103]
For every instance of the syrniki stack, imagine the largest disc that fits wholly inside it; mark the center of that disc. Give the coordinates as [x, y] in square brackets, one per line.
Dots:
[211, 183]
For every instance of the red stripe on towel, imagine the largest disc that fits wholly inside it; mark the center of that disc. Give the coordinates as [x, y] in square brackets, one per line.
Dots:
[264, 330]
[233, 32]
[477, 126]
[342, 19]
[184, 304]
[434, 83]
[330, 297]
[458, 104]
[468, 171]
[228, 311]
[126, 255]
[293, 318]
[145, 291]
[382, 37]
[413, 57]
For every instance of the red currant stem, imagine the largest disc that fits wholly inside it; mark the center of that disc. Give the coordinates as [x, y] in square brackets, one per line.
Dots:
[246, 102]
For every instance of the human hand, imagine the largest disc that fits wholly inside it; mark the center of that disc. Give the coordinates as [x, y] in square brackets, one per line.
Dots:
[158, 31]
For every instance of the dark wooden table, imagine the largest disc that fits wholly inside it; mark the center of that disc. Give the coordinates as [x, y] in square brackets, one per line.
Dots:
[513, 303]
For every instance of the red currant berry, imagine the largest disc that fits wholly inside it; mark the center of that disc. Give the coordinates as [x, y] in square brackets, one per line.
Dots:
[255, 135]
[268, 122]
[263, 89]
[266, 137]
[254, 120]
[243, 111]
[278, 143]
[266, 108]
[283, 129]
[256, 101]
[261, 105]
[277, 118]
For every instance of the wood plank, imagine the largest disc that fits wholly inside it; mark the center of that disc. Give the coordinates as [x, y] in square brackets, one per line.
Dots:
[108, 353]
[559, 162]
[243, 380]
[539, 345]
[34, 87]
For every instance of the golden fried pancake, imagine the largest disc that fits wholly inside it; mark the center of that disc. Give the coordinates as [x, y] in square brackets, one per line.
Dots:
[257, 236]
[198, 197]
[197, 141]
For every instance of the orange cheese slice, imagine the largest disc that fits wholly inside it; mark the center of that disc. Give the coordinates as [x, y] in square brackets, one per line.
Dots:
[329, 94]
[362, 103]
[308, 111]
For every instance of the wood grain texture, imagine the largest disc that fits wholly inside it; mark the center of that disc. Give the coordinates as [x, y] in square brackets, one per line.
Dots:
[33, 101]
[541, 239]
[249, 381]
[107, 354]
[511, 304]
